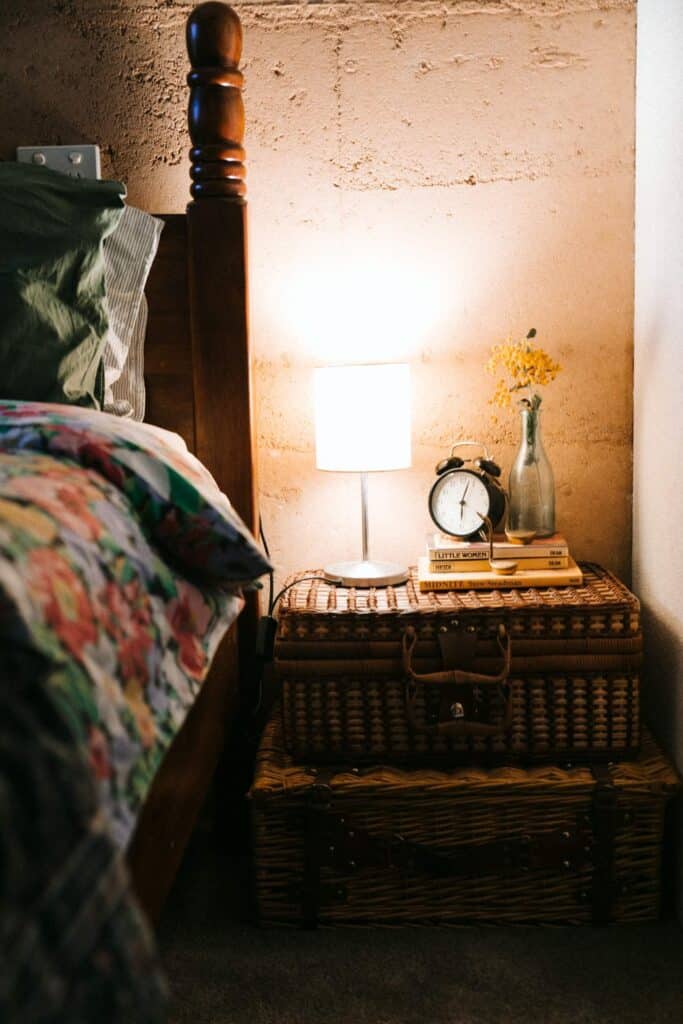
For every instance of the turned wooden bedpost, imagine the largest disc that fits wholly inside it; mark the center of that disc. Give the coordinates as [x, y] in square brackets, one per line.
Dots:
[218, 256]
[220, 398]
[217, 260]
[216, 110]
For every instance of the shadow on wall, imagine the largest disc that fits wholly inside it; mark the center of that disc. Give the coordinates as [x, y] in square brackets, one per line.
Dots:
[41, 123]
[663, 712]
[662, 701]
[655, 535]
[73, 73]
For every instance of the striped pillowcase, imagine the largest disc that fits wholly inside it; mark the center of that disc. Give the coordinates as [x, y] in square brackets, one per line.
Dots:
[128, 256]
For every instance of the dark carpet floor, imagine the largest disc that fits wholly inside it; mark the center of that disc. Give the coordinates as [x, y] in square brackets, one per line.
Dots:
[225, 971]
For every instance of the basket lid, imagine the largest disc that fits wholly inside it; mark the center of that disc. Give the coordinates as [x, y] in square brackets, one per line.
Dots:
[600, 591]
[277, 774]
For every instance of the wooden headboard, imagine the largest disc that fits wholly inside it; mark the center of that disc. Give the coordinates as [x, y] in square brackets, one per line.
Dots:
[198, 377]
[168, 345]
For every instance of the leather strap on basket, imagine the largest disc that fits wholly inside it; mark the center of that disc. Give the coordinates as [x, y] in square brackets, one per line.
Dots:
[459, 692]
[606, 818]
[318, 805]
[338, 848]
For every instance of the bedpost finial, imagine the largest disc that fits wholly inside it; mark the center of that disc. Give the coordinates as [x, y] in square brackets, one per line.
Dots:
[216, 110]
[214, 36]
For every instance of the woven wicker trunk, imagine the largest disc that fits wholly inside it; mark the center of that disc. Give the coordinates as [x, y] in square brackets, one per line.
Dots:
[502, 845]
[457, 677]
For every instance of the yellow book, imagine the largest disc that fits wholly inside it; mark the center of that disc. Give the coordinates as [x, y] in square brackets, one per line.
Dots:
[482, 564]
[448, 549]
[487, 580]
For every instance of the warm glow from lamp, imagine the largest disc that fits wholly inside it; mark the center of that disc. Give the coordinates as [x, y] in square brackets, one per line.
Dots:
[362, 425]
[402, 291]
[362, 418]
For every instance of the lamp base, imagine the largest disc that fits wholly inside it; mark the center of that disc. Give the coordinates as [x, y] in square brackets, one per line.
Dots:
[365, 573]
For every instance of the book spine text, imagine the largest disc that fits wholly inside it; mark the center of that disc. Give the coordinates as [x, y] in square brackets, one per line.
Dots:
[482, 564]
[515, 551]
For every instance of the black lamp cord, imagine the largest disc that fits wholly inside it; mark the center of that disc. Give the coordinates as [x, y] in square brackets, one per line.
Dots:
[270, 572]
[267, 624]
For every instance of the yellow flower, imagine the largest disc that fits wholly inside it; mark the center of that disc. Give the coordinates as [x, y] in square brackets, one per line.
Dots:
[520, 366]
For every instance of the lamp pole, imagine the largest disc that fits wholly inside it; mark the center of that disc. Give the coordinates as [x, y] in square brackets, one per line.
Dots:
[364, 514]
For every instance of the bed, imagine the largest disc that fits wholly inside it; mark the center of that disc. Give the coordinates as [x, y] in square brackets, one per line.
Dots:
[198, 379]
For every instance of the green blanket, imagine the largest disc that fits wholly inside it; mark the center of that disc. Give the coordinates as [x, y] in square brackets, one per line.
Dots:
[53, 312]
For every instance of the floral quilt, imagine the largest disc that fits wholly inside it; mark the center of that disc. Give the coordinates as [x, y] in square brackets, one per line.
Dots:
[121, 567]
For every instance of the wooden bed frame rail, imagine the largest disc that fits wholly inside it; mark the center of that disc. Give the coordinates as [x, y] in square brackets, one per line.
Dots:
[198, 376]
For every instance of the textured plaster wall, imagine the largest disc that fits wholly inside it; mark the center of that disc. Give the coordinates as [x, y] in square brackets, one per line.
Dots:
[424, 178]
[658, 408]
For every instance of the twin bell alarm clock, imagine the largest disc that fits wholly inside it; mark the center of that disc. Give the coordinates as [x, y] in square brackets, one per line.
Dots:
[467, 492]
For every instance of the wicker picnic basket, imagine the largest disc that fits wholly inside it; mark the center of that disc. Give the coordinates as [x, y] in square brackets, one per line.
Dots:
[507, 844]
[395, 675]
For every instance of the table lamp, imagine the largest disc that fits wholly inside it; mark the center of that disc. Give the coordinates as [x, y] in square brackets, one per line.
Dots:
[362, 425]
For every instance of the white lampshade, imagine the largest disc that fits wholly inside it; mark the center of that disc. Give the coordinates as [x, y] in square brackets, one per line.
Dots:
[362, 417]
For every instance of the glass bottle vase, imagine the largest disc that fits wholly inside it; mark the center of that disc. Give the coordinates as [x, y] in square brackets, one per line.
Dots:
[532, 484]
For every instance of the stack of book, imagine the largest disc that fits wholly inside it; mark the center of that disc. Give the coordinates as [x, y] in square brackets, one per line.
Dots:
[464, 565]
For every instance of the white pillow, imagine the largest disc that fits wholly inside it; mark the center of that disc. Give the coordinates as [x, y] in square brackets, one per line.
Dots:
[128, 256]
[127, 395]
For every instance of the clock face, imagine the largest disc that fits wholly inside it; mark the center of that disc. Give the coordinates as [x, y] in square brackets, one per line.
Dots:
[457, 502]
